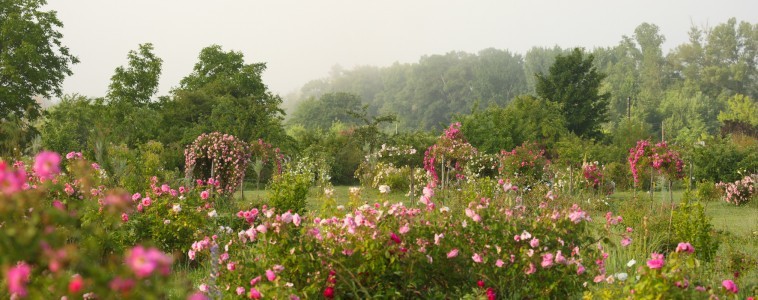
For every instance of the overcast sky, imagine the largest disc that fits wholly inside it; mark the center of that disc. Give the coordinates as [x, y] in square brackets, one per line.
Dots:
[302, 40]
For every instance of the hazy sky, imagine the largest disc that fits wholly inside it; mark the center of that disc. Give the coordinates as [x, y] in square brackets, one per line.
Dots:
[302, 40]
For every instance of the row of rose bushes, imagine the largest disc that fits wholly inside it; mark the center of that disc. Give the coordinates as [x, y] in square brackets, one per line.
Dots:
[488, 249]
[66, 234]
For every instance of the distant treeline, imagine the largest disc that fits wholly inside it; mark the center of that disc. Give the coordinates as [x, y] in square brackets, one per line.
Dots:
[682, 92]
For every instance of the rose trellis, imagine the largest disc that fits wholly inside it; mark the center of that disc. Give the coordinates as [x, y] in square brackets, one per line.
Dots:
[219, 156]
[451, 152]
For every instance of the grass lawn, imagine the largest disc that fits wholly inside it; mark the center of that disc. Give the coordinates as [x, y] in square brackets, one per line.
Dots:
[738, 220]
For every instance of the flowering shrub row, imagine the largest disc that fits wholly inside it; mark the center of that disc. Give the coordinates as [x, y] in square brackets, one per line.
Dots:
[220, 156]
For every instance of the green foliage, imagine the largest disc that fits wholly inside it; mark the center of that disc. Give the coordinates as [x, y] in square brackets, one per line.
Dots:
[137, 83]
[73, 124]
[574, 83]
[525, 119]
[525, 165]
[33, 61]
[692, 225]
[324, 111]
[740, 108]
[288, 190]
[719, 159]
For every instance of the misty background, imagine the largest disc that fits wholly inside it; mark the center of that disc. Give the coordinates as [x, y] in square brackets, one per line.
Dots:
[304, 40]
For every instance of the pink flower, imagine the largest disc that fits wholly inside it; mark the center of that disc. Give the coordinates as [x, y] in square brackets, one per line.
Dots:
[730, 286]
[146, 202]
[685, 247]
[47, 165]
[452, 253]
[205, 194]
[12, 181]
[534, 243]
[124, 217]
[136, 196]
[499, 263]
[547, 260]
[231, 266]
[531, 269]
[121, 285]
[144, 262]
[165, 188]
[626, 241]
[270, 275]
[404, 229]
[76, 284]
[17, 278]
[255, 294]
[329, 292]
[477, 258]
[296, 220]
[201, 296]
[438, 237]
[580, 269]
[657, 262]
[559, 258]
[255, 281]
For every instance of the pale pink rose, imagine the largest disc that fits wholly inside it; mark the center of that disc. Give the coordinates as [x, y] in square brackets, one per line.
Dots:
[477, 258]
[452, 253]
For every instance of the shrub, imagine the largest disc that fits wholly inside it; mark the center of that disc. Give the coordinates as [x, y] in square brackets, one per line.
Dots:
[289, 190]
[741, 191]
[692, 225]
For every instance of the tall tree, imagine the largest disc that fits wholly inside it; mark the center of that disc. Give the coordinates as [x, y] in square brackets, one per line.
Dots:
[33, 61]
[138, 82]
[574, 82]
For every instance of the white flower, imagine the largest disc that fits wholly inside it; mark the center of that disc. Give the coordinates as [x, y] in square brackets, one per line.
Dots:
[328, 192]
[631, 263]
[384, 189]
[176, 208]
[213, 214]
[166, 222]
[621, 276]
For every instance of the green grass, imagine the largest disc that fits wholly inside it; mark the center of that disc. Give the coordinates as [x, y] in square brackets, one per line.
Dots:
[737, 220]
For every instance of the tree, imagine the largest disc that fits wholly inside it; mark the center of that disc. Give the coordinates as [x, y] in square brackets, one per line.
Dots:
[329, 108]
[138, 82]
[525, 119]
[740, 108]
[574, 82]
[232, 94]
[33, 61]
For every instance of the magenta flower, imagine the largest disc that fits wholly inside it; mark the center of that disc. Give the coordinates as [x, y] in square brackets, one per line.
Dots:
[395, 238]
[270, 275]
[205, 194]
[657, 262]
[255, 294]
[730, 286]
[47, 165]
[685, 247]
[18, 277]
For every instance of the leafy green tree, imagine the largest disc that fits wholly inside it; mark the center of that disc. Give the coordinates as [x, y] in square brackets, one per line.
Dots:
[329, 108]
[740, 108]
[538, 61]
[574, 83]
[73, 124]
[33, 60]
[138, 82]
[525, 119]
[223, 93]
